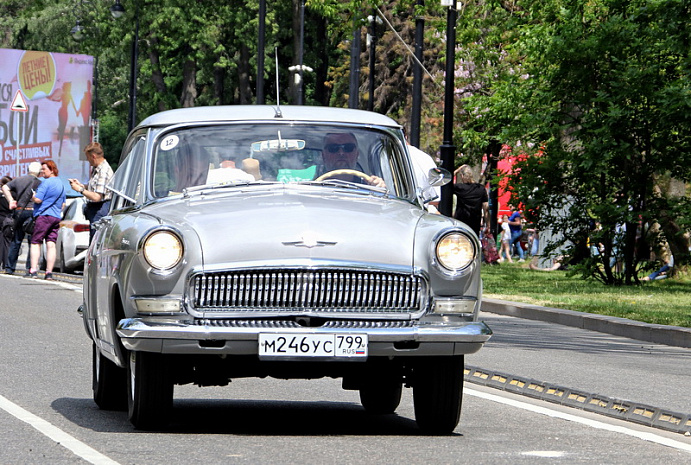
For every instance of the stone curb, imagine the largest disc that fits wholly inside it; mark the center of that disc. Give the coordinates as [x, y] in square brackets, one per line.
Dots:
[660, 334]
[616, 408]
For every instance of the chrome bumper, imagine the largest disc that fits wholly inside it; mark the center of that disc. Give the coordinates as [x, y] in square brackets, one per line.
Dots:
[186, 338]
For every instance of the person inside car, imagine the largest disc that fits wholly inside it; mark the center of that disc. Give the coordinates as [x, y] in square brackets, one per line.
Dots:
[341, 153]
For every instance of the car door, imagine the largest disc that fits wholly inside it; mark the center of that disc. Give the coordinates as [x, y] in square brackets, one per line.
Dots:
[101, 277]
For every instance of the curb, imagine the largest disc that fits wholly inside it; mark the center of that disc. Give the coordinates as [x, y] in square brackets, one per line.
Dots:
[660, 334]
[647, 415]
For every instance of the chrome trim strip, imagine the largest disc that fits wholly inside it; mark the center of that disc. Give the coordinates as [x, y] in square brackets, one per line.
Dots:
[466, 332]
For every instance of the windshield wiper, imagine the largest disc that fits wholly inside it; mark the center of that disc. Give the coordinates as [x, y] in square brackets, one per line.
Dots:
[346, 184]
[203, 187]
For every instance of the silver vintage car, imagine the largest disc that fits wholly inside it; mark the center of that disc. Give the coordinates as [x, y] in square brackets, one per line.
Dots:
[291, 242]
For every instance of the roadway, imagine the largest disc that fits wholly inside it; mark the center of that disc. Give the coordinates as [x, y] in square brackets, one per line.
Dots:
[48, 416]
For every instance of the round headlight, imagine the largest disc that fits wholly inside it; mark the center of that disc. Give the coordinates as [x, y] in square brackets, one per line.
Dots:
[163, 250]
[455, 251]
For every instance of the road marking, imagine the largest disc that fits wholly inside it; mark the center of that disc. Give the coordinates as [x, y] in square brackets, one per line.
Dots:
[584, 421]
[71, 287]
[56, 434]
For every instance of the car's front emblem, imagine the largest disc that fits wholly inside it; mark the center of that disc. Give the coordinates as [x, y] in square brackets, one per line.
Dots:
[309, 241]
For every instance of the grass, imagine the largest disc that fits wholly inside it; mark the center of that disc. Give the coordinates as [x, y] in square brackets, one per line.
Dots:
[666, 302]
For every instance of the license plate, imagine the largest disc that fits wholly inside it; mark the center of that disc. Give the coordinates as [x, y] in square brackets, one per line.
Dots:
[313, 345]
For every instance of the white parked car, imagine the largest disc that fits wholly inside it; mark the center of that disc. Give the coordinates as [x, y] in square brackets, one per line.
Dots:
[73, 238]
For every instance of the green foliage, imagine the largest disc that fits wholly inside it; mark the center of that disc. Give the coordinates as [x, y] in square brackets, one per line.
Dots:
[593, 96]
[596, 96]
[659, 302]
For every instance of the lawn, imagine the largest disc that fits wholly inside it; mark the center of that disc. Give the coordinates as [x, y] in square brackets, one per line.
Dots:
[666, 302]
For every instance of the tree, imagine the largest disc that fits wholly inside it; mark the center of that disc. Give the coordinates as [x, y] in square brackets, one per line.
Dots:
[602, 90]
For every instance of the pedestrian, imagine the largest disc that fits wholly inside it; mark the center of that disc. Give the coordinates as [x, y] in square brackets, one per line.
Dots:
[95, 192]
[6, 225]
[505, 240]
[19, 193]
[472, 203]
[516, 226]
[49, 201]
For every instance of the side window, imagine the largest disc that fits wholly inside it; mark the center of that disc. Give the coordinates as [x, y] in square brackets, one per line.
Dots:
[126, 182]
[392, 168]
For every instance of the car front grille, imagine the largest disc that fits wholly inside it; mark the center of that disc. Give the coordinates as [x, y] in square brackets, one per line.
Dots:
[327, 291]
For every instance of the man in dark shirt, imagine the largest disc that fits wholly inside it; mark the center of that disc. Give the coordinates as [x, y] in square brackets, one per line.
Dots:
[19, 194]
[472, 203]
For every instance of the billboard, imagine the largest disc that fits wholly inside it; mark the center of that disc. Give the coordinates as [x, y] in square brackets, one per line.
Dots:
[51, 116]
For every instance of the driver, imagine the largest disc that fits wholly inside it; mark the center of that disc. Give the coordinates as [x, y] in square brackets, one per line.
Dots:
[341, 152]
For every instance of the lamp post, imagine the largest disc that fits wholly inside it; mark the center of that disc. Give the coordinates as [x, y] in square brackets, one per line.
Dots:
[301, 53]
[353, 93]
[447, 149]
[117, 11]
[417, 80]
[373, 19]
[260, 52]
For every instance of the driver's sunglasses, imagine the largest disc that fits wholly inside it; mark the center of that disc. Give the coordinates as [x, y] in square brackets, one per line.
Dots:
[346, 148]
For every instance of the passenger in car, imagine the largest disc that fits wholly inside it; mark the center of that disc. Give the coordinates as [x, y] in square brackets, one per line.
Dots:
[251, 166]
[228, 173]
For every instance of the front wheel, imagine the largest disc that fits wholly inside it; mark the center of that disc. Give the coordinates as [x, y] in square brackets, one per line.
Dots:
[109, 382]
[437, 393]
[150, 390]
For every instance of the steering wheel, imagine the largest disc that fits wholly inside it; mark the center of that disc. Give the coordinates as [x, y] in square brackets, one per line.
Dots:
[333, 173]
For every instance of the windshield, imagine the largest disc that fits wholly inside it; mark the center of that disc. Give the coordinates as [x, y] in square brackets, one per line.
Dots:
[241, 154]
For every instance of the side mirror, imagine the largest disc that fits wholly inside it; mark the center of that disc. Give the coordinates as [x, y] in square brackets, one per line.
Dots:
[438, 177]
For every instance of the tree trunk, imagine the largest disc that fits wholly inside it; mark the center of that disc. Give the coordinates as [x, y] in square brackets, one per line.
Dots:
[670, 190]
[219, 81]
[244, 76]
[189, 84]
[156, 74]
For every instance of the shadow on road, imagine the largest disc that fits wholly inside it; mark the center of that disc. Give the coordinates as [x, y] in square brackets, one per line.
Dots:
[248, 417]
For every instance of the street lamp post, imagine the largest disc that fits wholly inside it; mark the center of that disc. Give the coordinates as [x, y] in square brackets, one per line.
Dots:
[260, 52]
[447, 149]
[417, 80]
[372, 44]
[117, 11]
[301, 53]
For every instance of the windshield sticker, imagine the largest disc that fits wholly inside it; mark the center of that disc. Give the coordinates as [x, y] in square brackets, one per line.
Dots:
[169, 143]
[286, 175]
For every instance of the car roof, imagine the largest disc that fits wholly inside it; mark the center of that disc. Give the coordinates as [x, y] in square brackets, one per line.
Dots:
[232, 113]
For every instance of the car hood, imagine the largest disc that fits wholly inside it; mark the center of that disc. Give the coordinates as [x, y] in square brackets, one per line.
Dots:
[288, 224]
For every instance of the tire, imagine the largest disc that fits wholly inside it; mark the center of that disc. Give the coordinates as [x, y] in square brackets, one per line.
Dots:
[381, 398]
[437, 393]
[149, 389]
[61, 262]
[109, 382]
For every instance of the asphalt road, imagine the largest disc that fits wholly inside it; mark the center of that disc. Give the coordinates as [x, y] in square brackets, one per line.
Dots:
[642, 372]
[47, 414]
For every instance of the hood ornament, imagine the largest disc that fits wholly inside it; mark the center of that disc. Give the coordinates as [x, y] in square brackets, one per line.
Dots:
[308, 241]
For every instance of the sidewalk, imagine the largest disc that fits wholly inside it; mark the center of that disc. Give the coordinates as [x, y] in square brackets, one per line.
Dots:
[660, 334]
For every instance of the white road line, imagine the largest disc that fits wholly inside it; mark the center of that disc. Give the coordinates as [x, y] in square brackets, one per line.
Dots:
[72, 287]
[56, 434]
[584, 421]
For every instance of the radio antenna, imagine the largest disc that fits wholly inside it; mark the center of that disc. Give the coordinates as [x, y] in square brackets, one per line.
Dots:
[278, 93]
